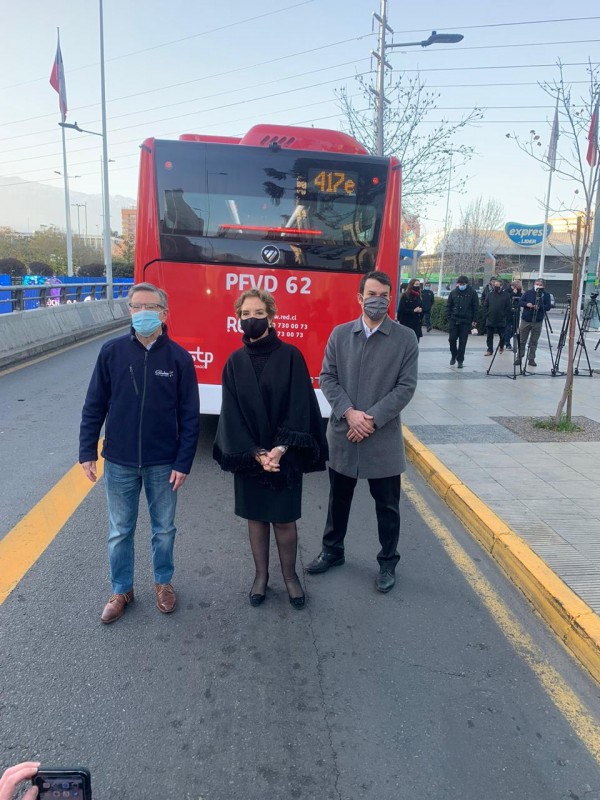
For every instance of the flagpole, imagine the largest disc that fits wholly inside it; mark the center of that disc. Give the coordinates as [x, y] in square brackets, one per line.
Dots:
[107, 238]
[66, 182]
[552, 162]
[67, 208]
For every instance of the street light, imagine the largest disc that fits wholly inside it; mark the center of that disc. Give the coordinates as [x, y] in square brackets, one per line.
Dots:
[71, 177]
[434, 38]
[444, 240]
[76, 127]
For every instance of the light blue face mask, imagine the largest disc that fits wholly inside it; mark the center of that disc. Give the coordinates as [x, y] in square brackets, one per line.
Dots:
[462, 286]
[145, 322]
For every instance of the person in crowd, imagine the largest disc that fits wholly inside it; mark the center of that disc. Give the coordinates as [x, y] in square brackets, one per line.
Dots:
[269, 433]
[462, 308]
[497, 310]
[13, 776]
[515, 292]
[427, 301]
[410, 307]
[144, 387]
[369, 375]
[488, 288]
[536, 303]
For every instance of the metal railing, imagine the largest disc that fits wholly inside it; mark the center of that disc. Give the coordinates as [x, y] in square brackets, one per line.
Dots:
[30, 296]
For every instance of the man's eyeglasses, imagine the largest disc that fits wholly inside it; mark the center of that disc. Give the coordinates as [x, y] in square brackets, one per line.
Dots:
[145, 306]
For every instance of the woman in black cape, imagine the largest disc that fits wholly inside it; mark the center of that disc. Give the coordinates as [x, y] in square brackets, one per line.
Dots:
[410, 307]
[270, 433]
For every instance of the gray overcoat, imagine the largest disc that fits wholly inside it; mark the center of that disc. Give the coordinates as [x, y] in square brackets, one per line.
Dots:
[377, 375]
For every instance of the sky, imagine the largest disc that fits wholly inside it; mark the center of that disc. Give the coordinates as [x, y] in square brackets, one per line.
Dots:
[218, 68]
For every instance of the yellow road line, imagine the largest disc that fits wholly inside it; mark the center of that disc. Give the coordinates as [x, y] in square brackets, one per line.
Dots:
[24, 544]
[566, 701]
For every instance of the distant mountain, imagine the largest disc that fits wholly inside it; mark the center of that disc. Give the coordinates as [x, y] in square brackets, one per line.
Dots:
[25, 205]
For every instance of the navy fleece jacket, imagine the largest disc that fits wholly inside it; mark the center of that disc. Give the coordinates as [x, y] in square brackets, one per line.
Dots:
[149, 400]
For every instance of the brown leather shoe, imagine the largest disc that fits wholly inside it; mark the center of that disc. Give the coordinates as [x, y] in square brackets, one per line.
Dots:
[115, 608]
[166, 599]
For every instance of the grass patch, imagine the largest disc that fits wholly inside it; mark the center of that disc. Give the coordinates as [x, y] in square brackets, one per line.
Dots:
[564, 426]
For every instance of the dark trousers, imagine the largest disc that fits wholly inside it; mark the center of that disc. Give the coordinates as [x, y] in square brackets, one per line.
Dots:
[427, 319]
[491, 330]
[386, 493]
[458, 333]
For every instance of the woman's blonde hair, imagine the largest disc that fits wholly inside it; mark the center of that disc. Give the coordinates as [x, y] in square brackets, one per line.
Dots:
[266, 298]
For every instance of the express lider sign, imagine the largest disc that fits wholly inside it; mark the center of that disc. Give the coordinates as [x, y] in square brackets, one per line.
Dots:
[526, 235]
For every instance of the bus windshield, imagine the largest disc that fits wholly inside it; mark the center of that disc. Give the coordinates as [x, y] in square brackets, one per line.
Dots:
[221, 203]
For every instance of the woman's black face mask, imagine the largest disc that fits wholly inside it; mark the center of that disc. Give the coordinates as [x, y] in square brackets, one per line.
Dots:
[254, 327]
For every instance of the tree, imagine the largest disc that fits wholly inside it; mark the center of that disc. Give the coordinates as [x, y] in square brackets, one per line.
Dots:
[12, 267]
[423, 152]
[40, 268]
[122, 269]
[468, 245]
[91, 270]
[580, 177]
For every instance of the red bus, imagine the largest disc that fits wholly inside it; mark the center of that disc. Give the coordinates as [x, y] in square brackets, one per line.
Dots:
[300, 212]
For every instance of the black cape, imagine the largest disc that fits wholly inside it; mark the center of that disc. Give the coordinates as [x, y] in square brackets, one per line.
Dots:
[279, 408]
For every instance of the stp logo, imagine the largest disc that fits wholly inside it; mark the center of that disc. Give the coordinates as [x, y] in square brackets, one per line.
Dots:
[270, 254]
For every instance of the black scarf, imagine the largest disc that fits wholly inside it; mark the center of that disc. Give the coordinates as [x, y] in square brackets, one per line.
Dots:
[278, 407]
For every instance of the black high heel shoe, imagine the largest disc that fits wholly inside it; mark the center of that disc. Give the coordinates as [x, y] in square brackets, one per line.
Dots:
[258, 599]
[295, 602]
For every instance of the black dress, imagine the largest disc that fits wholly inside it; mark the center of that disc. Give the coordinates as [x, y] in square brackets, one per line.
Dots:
[268, 400]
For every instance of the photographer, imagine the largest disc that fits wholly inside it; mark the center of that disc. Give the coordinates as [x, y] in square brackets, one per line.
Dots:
[515, 292]
[536, 303]
[16, 775]
[497, 310]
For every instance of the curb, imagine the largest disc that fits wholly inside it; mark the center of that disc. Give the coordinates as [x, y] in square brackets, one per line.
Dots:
[577, 625]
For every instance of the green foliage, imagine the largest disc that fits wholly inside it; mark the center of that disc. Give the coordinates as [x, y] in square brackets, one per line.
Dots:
[13, 267]
[564, 426]
[438, 314]
[91, 270]
[122, 269]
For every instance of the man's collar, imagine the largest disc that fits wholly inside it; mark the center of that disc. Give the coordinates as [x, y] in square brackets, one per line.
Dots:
[385, 327]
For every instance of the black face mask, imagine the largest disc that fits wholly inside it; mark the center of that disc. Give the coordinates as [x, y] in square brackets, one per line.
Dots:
[254, 327]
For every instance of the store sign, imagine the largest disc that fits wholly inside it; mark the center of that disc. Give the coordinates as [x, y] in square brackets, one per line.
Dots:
[526, 235]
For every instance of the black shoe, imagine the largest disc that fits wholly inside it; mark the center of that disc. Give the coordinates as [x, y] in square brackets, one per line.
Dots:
[452, 361]
[532, 363]
[428, 330]
[323, 561]
[518, 361]
[298, 601]
[460, 365]
[385, 581]
[257, 599]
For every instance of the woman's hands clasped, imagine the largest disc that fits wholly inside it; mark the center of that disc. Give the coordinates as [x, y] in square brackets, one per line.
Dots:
[269, 459]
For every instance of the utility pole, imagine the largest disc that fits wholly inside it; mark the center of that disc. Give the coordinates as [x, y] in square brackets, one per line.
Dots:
[379, 92]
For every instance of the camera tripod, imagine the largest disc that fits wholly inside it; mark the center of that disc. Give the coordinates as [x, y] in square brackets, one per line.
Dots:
[515, 342]
[523, 363]
[583, 327]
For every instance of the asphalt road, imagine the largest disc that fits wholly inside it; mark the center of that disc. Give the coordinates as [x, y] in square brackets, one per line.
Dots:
[416, 694]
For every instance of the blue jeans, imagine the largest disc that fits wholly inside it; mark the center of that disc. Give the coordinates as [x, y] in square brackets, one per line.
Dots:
[123, 486]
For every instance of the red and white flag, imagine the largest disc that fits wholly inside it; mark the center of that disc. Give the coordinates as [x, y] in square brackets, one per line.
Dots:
[592, 151]
[57, 81]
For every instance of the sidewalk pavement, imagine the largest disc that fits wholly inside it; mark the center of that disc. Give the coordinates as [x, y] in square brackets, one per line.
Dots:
[534, 506]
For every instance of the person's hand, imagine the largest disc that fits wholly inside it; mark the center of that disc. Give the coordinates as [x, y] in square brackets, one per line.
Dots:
[89, 467]
[272, 459]
[530, 305]
[177, 479]
[354, 436]
[474, 324]
[359, 422]
[15, 775]
[418, 310]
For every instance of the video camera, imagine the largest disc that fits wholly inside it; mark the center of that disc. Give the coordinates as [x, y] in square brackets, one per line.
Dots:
[594, 295]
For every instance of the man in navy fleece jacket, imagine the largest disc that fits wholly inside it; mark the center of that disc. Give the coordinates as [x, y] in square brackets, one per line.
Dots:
[144, 388]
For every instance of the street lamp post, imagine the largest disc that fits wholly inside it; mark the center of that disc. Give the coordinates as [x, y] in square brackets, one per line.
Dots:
[444, 240]
[106, 196]
[379, 55]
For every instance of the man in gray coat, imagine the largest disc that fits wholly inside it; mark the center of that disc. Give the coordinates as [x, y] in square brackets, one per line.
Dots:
[369, 375]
